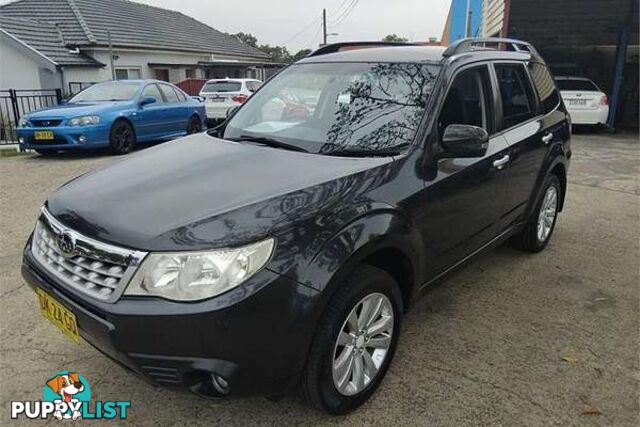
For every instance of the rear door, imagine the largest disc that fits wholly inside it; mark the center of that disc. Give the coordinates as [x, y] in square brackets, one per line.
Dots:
[174, 110]
[530, 122]
[466, 198]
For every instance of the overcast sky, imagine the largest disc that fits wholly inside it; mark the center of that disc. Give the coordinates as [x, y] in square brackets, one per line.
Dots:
[296, 23]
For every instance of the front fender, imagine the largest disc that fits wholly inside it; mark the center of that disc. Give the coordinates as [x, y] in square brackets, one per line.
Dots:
[378, 230]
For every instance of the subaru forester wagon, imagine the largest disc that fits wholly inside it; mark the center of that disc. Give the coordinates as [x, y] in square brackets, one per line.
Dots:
[279, 251]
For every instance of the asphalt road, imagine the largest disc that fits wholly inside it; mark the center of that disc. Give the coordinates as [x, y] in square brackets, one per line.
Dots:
[513, 339]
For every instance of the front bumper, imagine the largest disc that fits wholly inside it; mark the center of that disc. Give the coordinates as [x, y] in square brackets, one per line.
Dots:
[255, 337]
[66, 137]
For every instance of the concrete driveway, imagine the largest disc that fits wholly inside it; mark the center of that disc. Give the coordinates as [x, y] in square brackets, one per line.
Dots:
[513, 339]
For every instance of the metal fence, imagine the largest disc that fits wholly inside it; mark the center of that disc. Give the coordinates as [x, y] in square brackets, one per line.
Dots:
[14, 103]
[75, 87]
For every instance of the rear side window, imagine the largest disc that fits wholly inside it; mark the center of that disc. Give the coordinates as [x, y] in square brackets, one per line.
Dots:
[222, 87]
[181, 96]
[547, 92]
[169, 93]
[468, 101]
[516, 94]
[577, 84]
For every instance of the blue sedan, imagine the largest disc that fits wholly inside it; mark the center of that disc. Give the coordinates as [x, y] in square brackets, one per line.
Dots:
[115, 114]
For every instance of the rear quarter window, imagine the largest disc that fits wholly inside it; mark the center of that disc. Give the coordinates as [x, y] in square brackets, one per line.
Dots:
[518, 102]
[543, 81]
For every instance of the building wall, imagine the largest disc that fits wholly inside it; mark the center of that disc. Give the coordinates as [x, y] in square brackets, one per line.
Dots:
[492, 17]
[21, 69]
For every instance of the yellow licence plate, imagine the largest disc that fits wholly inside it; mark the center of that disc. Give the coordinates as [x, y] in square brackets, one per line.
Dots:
[60, 316]
[43, 135]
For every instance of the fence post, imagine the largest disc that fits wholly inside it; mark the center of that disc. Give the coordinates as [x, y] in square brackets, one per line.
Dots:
[58, 95]
[14, 105]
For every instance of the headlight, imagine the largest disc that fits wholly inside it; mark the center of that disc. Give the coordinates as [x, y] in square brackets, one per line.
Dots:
[22, 122]
[191, 276]
[84, 121]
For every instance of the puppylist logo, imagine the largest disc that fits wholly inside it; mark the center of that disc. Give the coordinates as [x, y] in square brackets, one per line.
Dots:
[67, 396]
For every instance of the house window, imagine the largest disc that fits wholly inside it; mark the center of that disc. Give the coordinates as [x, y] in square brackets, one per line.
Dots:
[128, 73]
[190, 73]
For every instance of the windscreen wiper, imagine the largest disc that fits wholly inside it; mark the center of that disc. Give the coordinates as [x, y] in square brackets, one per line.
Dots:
[362, 152]
[269, 141]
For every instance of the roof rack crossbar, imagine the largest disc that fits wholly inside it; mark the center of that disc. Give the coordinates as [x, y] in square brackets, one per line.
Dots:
[337, 47]
[468, 44]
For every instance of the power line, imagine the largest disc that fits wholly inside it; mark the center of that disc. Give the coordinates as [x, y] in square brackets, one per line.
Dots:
[301, 31]
[335, 12]
[346, 14]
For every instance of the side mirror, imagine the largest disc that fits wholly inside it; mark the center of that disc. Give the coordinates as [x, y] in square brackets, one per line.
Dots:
[147, 100]
[464, 141]
[231, 111]
[63, 101]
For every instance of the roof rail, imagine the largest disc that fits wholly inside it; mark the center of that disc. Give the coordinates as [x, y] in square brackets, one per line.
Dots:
[338, 47]
[468, 44]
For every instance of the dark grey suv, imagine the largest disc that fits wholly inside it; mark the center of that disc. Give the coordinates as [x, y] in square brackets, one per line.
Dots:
[280, 250]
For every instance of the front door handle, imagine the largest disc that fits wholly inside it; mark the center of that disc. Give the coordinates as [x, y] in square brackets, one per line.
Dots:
[547, 138]
[499, 164]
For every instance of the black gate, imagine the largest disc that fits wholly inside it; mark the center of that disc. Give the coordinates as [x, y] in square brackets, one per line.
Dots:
[15, 103]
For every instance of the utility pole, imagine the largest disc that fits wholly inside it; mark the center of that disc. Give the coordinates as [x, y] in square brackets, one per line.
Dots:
[113, 71]
[324, 26]
[468, 26]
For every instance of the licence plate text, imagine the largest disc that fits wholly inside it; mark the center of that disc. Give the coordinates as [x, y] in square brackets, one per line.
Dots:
[43, 135]
[59, 315]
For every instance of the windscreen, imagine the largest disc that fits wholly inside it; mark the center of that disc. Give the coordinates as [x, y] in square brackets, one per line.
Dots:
[339, 107]
[109, 91]
[577, 85]
[222, 87]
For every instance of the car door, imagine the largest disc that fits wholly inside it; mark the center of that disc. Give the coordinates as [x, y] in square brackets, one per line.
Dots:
[174, 113]
[151, 118]
[530, 124]
[464, 196]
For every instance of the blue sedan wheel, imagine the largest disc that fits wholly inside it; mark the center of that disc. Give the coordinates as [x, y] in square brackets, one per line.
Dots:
[122, 138]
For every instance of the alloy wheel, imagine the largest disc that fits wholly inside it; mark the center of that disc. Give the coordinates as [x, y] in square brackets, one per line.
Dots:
[548, 212]
[362, 344]
[123, 138]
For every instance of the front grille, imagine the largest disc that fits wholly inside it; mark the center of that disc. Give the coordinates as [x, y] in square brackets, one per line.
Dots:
[96, 269]
[45, 123]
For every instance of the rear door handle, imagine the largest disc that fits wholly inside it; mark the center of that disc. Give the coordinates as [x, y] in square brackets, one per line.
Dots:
[499, 164]
[547, 138]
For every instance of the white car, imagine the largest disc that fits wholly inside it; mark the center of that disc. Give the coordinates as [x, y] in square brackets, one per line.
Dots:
[222, 94]
[586, 103]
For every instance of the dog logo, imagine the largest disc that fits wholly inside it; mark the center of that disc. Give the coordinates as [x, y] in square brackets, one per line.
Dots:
[67, 396]
[70, 389]
[66, 244]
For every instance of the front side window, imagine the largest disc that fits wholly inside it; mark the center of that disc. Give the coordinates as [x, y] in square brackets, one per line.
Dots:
[468, 101]
[543, 81]
[109, 91]
[152, 91]
[333, 108]
[516, 94]
[169, 93]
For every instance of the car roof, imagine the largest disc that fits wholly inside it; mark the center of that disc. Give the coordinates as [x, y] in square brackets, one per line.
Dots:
[572, 78]
[232, 80]
[382, 54]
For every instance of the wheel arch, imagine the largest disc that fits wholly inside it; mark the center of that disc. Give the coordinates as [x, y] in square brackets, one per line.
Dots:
[384, 240]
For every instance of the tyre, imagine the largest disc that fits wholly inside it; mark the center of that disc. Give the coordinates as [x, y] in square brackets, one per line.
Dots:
[537, 232]
[194, 125]
[122, 138]
[355, 342]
